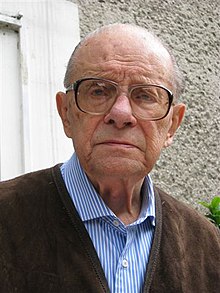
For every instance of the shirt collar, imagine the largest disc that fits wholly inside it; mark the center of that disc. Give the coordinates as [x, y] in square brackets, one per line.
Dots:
[88, 202]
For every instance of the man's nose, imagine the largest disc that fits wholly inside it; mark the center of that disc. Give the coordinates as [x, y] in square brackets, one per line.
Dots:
[120, 113]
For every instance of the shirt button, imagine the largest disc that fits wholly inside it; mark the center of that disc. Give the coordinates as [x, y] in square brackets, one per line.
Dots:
[116, 223]
[125, 263]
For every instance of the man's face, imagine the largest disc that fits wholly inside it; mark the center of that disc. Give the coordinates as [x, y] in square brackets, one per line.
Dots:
[117, 144]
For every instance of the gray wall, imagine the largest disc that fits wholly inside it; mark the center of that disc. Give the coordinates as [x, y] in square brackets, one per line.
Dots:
[190, 169]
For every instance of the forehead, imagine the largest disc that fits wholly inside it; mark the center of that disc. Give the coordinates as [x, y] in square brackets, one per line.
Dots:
[121, 51]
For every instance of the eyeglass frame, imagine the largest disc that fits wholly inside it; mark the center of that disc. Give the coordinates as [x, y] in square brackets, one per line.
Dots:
[74, 87]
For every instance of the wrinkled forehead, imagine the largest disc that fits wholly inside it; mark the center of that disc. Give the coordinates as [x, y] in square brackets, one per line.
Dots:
[122, 45]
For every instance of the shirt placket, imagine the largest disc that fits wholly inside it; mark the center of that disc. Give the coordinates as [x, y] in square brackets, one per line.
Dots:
[122, 275]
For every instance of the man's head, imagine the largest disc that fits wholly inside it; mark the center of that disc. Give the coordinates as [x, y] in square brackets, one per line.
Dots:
[151, 38]
[119, 141]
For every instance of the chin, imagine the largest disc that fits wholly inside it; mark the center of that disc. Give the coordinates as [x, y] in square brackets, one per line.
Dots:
[117, 167]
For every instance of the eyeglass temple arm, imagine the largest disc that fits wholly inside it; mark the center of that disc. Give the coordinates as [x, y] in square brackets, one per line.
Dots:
[70, 88]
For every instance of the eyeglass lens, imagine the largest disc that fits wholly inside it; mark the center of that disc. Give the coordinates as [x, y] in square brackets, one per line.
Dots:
[98, 96]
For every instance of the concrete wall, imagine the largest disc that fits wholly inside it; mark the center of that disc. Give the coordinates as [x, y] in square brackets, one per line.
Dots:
[190, 169]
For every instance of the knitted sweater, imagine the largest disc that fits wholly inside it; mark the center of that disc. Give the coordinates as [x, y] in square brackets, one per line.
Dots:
[44, 246]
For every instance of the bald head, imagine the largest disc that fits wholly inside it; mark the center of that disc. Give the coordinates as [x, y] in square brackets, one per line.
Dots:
[119, 42]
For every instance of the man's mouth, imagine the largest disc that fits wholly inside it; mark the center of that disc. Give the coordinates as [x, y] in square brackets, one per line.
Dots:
[117, 143]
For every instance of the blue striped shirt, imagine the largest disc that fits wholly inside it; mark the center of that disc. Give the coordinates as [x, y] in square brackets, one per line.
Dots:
[123, 250]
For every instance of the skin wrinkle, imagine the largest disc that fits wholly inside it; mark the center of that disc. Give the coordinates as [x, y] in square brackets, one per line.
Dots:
[117, 150]
[126, 73]
[151, 46]
[103, 70]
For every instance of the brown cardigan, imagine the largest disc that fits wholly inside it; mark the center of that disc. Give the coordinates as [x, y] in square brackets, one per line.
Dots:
[44, 246]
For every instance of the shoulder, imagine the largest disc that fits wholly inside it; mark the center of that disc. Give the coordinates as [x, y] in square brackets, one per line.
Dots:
[26, 190]
[189, 248]
[186, 219]
[22, 180]
[29, 181]
[28, 203]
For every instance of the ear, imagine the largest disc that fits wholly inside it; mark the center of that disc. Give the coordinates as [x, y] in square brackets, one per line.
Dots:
[63, 106]
[178, 114]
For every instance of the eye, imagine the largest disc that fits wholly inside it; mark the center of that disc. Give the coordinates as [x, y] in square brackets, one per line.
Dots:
[97, 92]
[98, 89]
[144, 95]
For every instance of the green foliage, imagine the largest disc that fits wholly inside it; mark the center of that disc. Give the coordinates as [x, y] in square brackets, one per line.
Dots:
[214, 210]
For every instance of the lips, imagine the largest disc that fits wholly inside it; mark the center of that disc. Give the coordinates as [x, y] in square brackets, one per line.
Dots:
[118, 143]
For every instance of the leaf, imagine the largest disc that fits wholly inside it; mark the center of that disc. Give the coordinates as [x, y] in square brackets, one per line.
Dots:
[205, 204]
[215, 203]
[214, 209]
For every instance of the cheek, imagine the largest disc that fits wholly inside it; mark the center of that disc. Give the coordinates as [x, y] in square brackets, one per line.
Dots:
[82, 131]
[156, 135]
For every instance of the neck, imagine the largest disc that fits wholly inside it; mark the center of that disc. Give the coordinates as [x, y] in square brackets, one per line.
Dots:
[123, 197]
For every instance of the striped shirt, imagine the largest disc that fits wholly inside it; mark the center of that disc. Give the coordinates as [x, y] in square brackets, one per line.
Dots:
[123, 250]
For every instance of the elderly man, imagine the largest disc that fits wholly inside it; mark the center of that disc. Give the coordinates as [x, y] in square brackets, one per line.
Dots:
[97, 223]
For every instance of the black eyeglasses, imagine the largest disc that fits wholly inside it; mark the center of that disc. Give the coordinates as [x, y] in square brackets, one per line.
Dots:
[96, 96]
